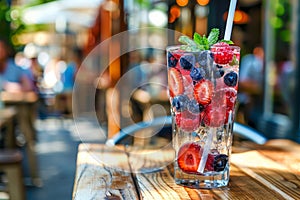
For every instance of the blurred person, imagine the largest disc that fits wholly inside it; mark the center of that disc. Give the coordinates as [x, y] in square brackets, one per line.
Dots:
[68, 75]
[14, 78]
[64, 98]
[250, 86]
[286, 84]
[36, 70]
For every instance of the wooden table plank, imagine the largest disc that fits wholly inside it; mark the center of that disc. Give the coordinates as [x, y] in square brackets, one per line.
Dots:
[103, 173]
[161, 185]
[144, 159]
[255, 174]
[278, 177]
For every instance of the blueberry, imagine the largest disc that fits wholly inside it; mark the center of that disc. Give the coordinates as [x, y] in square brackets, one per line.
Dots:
[194, 107]
[220, 162]
[219, 73]
[172, 61]
[180, 102]
[197, 73]
[205, 58]
[187, 61]
[231, 79]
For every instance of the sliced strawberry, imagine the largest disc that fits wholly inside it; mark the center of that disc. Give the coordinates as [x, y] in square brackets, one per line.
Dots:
[214, 116]
[203, 91]
[187, 121]
[175, 82]
[188, 86]
[189, 156]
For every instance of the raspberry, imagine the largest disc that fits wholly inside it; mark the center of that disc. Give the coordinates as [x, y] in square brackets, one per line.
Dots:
[187, 121]
[222, 53]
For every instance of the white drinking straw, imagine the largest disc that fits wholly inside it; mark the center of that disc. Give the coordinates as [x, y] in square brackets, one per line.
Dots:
[229, 21]
[206, 150]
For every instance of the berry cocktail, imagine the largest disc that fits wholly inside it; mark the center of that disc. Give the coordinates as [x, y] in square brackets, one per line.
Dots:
[203, 82]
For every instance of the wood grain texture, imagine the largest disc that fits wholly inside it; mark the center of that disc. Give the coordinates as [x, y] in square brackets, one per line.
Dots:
[270, 172]
[103, 173]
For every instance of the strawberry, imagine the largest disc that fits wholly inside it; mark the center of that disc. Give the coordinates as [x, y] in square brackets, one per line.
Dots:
[209, 166]
[189, 156]
[222, 53]
[214, 116]
[203, 91]
[187, 121]
[231, 95]
[175, 82]
[188, 86]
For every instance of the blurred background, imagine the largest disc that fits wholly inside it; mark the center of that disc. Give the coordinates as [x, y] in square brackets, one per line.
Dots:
[55, 40]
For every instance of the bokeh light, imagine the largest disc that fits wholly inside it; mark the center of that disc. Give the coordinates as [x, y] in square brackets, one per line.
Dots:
[182, 2]
[203, 2]
[240, 17]
[174, 13]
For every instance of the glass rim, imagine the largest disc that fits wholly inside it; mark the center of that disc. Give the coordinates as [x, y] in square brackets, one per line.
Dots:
[176, 47]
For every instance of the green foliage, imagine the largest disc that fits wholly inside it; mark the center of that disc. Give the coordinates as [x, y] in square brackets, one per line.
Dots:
[143, 3]
[199, 43]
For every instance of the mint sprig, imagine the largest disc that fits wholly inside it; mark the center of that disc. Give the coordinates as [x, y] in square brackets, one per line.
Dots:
[213, 36]
[200, 43]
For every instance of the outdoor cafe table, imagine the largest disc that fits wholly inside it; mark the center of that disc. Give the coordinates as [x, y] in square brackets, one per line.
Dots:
[269, 171]
[24, 103]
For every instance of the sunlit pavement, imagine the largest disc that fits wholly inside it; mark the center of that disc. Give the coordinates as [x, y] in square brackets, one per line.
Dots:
[56, 151]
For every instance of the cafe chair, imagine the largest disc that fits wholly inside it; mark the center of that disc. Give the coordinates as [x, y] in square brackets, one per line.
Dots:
[164, 125]
[11, 165]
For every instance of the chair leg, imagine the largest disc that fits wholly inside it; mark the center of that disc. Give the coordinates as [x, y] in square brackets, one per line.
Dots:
[16, 187]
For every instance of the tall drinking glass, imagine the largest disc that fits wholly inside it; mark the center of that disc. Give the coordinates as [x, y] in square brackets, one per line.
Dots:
[203, 91]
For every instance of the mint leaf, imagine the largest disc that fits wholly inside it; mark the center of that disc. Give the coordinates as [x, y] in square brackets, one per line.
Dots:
[199, 43]
[227, 41]
[213, 36]
[205, 42]
[197, 38]
[186, 40]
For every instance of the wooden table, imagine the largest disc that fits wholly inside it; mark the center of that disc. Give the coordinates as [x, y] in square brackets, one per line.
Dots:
[25, 103]
[271, 171]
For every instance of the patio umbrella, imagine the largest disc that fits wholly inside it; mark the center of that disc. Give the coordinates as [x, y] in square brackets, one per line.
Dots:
[80, 12]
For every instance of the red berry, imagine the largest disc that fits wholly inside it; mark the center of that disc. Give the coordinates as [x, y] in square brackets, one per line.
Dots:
[189, 156]
[216, 162]
[175, 82]
[231, 95]
[187, 121]
[214, 116]
[203, 91]
[222, 53]
[209, 166]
